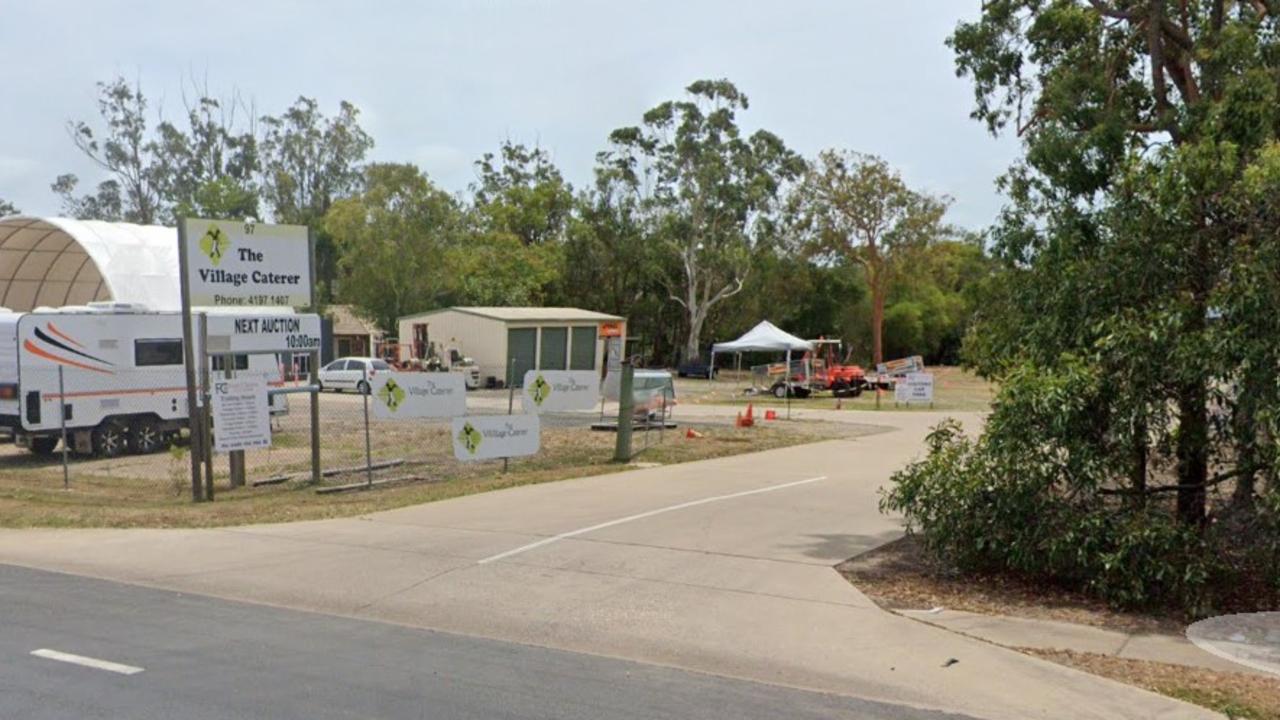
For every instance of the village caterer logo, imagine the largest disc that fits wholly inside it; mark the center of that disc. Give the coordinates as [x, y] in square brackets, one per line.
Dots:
[391, 394]
[215, 244]
[470, 438]
[541, 390]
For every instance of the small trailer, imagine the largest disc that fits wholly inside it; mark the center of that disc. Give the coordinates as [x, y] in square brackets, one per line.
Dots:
[123, 381]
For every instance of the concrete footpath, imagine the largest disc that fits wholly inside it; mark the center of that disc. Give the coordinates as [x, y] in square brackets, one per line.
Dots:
[720, 566]
[1040, 634]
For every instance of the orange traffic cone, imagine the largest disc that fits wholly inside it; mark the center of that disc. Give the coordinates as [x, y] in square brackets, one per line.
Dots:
[692, 434]
[750, 417]
[770, 414]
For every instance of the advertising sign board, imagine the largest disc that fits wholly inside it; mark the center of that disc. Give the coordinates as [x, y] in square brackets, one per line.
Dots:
[560, 390]
[241, 419]
[488, 437]
[263, 333]
[914, 388]
[246, 264]
[405, 395]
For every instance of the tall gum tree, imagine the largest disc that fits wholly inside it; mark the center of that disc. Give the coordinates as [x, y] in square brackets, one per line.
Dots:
[710, 194]
[856, 208]
[1129, 220]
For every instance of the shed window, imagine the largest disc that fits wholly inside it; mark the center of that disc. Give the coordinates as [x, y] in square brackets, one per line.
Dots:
[150, 353]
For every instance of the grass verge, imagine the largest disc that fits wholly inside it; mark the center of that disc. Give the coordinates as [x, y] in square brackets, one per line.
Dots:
[1236, 695]
[156, 494]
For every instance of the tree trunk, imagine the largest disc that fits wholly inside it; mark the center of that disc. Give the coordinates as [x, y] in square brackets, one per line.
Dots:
[693, 341]
[877, 315]
[1193, 453]
[1138, 471]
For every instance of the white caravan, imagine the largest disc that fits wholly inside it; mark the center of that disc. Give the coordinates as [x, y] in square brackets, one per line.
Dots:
[123, 379]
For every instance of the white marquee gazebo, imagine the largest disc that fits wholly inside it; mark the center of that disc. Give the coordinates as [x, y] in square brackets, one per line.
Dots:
[59, 261]
[766, 337]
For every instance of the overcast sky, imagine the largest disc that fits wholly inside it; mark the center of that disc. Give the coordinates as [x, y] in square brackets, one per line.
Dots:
[440, 83]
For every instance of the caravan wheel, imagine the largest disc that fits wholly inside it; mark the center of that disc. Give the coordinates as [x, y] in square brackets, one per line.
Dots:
[147, 437]
[110, 439]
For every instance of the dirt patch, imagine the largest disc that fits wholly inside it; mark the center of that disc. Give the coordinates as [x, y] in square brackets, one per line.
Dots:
[1236, 695]
[901, 576]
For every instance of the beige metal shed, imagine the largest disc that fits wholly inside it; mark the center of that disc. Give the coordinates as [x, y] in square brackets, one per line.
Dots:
[544, 338]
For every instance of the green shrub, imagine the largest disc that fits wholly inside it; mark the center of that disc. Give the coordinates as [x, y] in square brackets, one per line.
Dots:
[978, 512]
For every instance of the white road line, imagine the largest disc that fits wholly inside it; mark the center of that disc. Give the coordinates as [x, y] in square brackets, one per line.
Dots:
[86, 661]
[643, 515]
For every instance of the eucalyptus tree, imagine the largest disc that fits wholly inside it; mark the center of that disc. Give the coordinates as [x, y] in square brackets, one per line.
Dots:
[308, 162]
[7, 208]
[157, 169]
[710, 192]
[856, 208]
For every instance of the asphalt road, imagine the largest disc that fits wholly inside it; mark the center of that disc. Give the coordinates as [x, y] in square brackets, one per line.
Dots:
[206, 658]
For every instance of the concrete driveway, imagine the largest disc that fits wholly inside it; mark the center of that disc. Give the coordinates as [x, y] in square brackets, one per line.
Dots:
[721, 566]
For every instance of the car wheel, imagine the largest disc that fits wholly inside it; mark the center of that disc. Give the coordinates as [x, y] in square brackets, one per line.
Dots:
[110, 440]
[43, 446]
[362, 387]
[780, 391]
[146, 436]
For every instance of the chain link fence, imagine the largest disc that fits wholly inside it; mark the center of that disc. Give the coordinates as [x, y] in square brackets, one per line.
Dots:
[132, 430]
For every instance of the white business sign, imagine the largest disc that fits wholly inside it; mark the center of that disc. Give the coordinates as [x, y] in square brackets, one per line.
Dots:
[487, 437]
[560, 390]
[241, 419]
[247, 264]
[914, 388]
[263, 333]
[403, 395]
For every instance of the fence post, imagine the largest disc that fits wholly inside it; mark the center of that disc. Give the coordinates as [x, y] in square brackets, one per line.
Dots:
[62, 424]
[313, 368]
[206, 422]
[236, 457]
[368, 452]
[626, 408]
[511, 401]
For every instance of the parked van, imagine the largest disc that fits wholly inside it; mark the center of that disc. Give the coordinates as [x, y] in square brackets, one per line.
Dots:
[123, 378]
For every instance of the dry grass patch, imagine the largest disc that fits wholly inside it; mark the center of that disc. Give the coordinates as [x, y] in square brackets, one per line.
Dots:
[1236, 695]
[901, 576]
[154, 491]
[954, 389]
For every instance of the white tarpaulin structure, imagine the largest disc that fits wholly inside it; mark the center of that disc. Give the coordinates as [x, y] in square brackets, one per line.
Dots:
[766, 337]
[59, 261]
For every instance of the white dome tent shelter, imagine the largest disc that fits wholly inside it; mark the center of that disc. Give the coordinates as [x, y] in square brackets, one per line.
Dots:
[58, 261]
[766, 337]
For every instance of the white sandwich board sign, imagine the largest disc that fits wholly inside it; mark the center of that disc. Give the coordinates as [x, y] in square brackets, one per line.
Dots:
[241, 419]
[404, 395]
[914, 388]
[246, 264]
[489, 437]
[560, 390]
[263, 333]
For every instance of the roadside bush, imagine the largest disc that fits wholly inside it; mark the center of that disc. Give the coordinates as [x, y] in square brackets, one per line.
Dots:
[1029, 497]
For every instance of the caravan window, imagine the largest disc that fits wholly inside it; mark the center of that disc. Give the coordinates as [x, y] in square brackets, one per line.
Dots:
[148, 353]
[241, 362]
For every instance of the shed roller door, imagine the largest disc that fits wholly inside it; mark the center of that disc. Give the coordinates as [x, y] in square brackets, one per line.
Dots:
[522, 346]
